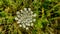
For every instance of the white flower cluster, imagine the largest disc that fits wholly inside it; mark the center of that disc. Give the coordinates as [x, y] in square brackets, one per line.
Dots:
[25, 18]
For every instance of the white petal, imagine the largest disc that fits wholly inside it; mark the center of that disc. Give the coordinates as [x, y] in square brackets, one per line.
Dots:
[18, 12]
[16, 18]
[24, 26]
[21, 10]
[34, 20]
[31, 24]
[34, 15]
[31, 21]
[27, 28]
[27, 24]
[29, 9]
[18, 22]
[26, 12]
[25, 9]
[31, 12]
[20, 25]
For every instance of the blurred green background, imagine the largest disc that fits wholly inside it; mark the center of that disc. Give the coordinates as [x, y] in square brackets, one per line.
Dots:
[48, 16]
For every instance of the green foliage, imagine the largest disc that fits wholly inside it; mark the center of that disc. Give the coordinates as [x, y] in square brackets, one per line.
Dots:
[6, 17]
[1, 2]
[2, 14]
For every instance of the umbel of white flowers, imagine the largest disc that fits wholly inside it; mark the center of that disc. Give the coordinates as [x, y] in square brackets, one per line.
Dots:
[25, 18]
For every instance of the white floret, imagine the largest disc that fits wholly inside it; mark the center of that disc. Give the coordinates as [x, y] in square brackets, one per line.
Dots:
[34, 20]
[18, 22]
[25, 9]
[27, 28]
[21, 10]
[16, 18]
[32, 24]
[20, 25]
[29, 9]
[28, 24]
[34, 15]
[24, 26]
[17, 12]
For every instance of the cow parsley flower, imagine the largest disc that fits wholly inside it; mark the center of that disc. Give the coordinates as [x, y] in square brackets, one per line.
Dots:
[25, 18]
